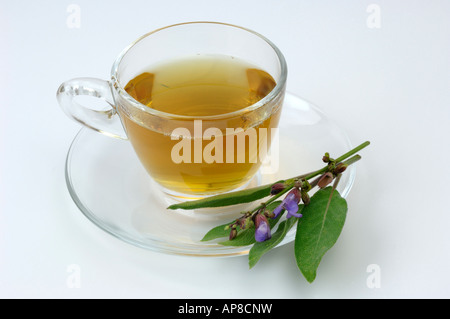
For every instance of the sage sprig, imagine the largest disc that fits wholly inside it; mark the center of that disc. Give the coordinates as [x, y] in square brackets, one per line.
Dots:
[319, 217]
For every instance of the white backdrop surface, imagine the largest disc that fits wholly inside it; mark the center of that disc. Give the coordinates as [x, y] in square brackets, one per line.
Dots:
[380, 69]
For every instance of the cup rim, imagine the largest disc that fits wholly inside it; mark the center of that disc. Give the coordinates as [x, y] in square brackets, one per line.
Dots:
[272, 94]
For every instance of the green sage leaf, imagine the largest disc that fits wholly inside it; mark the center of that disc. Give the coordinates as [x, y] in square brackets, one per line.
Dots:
[227, 199]
[217, 232]
[318, 229]
[259, 249]
[244, 238]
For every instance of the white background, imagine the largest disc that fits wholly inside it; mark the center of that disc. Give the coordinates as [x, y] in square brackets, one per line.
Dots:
[389, 85]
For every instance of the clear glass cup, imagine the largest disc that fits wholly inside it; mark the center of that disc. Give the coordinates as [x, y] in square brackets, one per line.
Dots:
[167, 44]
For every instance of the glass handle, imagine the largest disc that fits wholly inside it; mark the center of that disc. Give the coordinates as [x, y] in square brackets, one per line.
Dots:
[104, 121]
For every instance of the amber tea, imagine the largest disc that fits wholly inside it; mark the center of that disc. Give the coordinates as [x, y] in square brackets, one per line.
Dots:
[206, 90]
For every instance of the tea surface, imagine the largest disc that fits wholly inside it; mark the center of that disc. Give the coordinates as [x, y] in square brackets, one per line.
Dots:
[201, 86]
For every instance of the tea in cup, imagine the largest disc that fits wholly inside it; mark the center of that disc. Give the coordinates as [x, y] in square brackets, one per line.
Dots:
[199, 102]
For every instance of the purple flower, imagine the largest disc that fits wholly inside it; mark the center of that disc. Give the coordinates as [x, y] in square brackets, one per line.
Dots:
[262, 232]
[289, 203]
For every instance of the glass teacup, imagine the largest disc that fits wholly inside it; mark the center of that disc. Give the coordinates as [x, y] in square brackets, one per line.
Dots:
[198, 101]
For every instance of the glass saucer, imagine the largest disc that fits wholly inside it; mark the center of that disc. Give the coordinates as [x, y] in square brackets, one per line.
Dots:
[113, 190]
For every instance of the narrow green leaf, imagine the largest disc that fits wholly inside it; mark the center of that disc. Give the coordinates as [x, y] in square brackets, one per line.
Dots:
[227, 199]
[217, 232]
[247, 236]
[319, 229]
[244, 238]
[259, 249]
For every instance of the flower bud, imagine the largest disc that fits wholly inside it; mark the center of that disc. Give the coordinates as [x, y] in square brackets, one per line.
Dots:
[262, 232]
[233, 233]
[305, 198]
[340, 168]
[269, 214]
[276, 188]
[244, 222]
[326, 157]
[248, 223]
[259, 218]
[326, 179]
[295, 195]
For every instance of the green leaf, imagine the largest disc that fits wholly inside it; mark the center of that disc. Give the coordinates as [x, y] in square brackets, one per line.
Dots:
[227, 199]
[318, 229]
[244, 238]
[259, 249]
[217, 232]
[247, 236]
